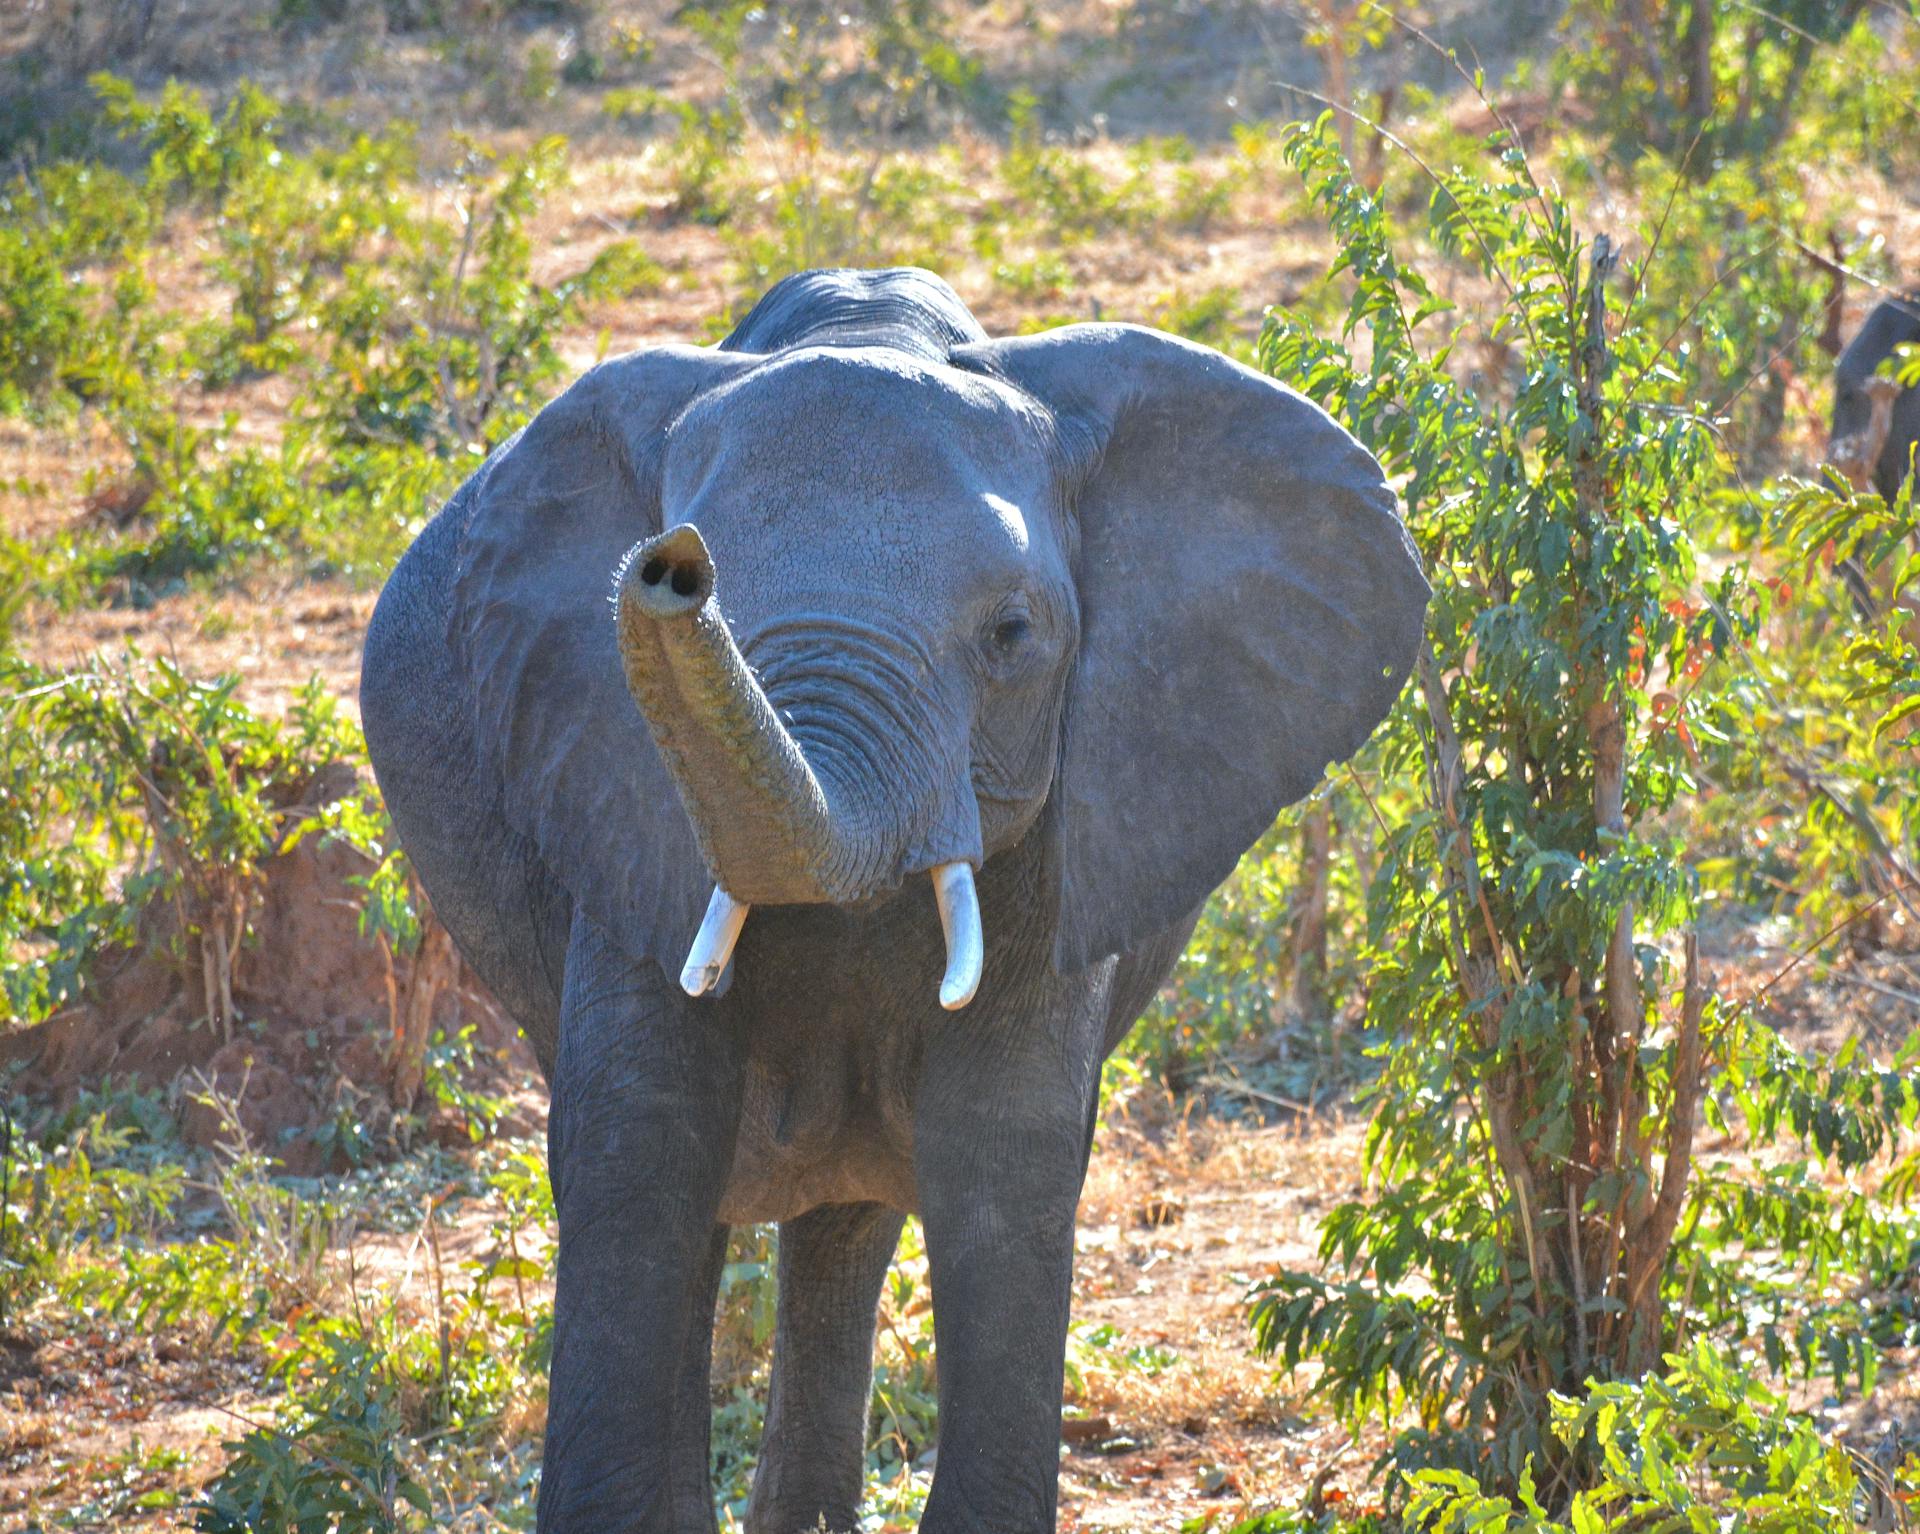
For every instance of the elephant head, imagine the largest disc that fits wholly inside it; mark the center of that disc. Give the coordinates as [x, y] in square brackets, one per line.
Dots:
[889, 596]
[1875, 423]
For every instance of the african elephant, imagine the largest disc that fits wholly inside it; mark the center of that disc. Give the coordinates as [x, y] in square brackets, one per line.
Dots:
[1875, 423]
[810, 632]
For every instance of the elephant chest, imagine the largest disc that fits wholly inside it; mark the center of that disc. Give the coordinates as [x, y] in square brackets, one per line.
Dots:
[835, 1009]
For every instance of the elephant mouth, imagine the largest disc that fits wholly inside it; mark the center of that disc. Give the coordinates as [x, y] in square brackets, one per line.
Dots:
[782, 809]
[953, 893]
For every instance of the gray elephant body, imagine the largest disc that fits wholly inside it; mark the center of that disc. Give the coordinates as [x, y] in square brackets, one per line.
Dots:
[1080, 611]
[1892, 323]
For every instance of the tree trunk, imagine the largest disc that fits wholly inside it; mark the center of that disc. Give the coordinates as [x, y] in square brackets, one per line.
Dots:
[1650, 1238]
[1376, 168]
[1833, 319]
[1749, 88]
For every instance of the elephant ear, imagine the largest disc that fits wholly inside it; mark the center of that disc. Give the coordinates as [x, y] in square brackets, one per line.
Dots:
[533, 621]
[1249, 609]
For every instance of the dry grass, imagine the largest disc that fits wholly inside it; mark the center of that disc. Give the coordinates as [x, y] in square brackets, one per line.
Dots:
[93, 1421]
[1181, 1215]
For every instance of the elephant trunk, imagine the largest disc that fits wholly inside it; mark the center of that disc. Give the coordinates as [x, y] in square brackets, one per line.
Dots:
[772, 829]
[763, 818]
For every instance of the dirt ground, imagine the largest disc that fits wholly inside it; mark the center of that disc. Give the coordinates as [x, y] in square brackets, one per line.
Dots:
[1182, 1214]
[1177, 1222]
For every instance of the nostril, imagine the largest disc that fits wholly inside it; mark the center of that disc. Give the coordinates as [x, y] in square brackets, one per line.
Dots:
[668, 577]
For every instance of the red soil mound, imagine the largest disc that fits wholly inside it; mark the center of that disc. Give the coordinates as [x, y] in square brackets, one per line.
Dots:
[330, 1022]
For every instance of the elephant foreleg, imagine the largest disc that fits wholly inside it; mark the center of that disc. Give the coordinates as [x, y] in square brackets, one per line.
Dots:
[832, 1263]
[646, 1101]
[693, 1410]
[1002, 1132]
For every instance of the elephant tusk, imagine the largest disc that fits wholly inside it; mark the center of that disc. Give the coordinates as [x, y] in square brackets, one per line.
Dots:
[713, 943]
[960, 920]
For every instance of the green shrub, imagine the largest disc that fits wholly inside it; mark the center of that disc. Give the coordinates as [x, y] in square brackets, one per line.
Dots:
[459, 346]
[1704, 79]
[387, 1409]
[103, 1175]
[284, 223]
[1698, 1447]
[416, 342]
[134, 783]
[1538, 1218]
[1065, 192]
[1737, 298]
[1855, 683]
[55, 224]
[335, 1465]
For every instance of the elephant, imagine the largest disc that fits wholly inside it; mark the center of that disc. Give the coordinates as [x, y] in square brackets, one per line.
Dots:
[823, 744]
[1876, 424]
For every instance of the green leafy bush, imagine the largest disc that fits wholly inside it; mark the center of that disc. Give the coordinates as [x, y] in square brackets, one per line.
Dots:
[1736, 297]
[1698, 1447]
[1704, 78]
[104, 1175]
[285, 224]
[1539, 1221]
[336, 1464]
[415, 342]
[134, 783]
[1819, 778]
[1073, 198]
[55, 225]
[386, 1405]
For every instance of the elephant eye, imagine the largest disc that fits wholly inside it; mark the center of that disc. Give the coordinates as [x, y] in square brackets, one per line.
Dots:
[1010, 633]
[1007, 641]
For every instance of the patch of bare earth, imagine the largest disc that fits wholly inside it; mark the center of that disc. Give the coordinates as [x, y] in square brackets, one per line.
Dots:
[115, 1426]
[1176, 1416]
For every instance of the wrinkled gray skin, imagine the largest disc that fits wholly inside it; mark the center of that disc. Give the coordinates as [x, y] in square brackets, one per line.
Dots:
[1083, 610]
[1891, 324]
